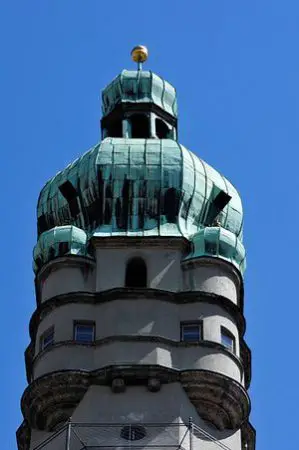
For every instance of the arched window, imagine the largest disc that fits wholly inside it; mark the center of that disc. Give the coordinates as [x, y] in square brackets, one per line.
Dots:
[136, 273]
[139, 126]
[162, 130]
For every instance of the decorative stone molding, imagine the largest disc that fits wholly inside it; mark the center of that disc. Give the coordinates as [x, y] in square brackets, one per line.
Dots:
[23, 436]
[118, 385]
[45, 395]
[136, 294]
[141, 338]
[154, 384]
[248, 436]
[217, 398]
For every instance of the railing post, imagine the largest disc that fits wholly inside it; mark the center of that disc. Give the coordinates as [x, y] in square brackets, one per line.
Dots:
[68, 435]
[190, 426]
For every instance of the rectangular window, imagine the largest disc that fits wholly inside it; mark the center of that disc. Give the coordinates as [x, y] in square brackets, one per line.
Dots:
[227, 339]
[191, 331]
[84, 331]
[47, 338]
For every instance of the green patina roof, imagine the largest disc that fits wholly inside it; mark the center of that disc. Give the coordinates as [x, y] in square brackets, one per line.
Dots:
[217, 242]
[139, 87]
[139, 187]
[57, 242]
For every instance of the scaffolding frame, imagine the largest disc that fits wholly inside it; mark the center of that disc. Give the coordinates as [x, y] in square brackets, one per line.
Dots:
[91, 436]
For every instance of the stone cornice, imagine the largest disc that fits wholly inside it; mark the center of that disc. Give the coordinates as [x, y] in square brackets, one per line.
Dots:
[136, 294]
[157, 242]
[142, 338]
[217, 398]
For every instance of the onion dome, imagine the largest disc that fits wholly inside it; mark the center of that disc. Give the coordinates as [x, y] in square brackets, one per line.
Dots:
[139, 181]
[59, 241]
[216, 242]
[137, 87]
[139, 187]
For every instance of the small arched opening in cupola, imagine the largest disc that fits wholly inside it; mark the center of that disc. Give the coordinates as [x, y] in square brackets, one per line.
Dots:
[140, 126]
[136, 273]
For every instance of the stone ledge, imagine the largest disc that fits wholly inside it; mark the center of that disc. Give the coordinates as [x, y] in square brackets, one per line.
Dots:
[142, 338]
[136, 294]
[217, 398]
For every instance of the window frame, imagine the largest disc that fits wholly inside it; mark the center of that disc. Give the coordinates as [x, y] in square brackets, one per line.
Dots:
[84, 323]
[186, 323]
[227, 333]
[48, 332]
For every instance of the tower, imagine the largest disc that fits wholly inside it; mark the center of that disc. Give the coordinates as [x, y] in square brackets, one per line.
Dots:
[137, 339]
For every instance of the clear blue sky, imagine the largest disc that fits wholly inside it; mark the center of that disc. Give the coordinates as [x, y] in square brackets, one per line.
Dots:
[235, 65]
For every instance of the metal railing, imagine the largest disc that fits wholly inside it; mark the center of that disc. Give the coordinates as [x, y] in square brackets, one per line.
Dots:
[88, 436]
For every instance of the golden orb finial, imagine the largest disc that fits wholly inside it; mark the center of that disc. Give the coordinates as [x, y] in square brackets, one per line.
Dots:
[139, 54]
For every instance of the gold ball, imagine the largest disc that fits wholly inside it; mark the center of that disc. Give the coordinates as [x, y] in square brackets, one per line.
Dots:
[139, 54]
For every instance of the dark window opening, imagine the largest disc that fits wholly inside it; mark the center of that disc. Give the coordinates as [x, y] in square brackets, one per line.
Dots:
[47, 338]
[38, 263]
[68, 190]
[51, 253]
[136, 273]
[42, 224]
[211, 248]
[74, 207]
[215, 207]
[115, 129]
[221, 200]
[162, 130]
[107, 212]
[171, 205]
[90, 249]
[133, 432]
[84, 332]
[191, 331]
[70, 194]
[228, 339]
[139, 126]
